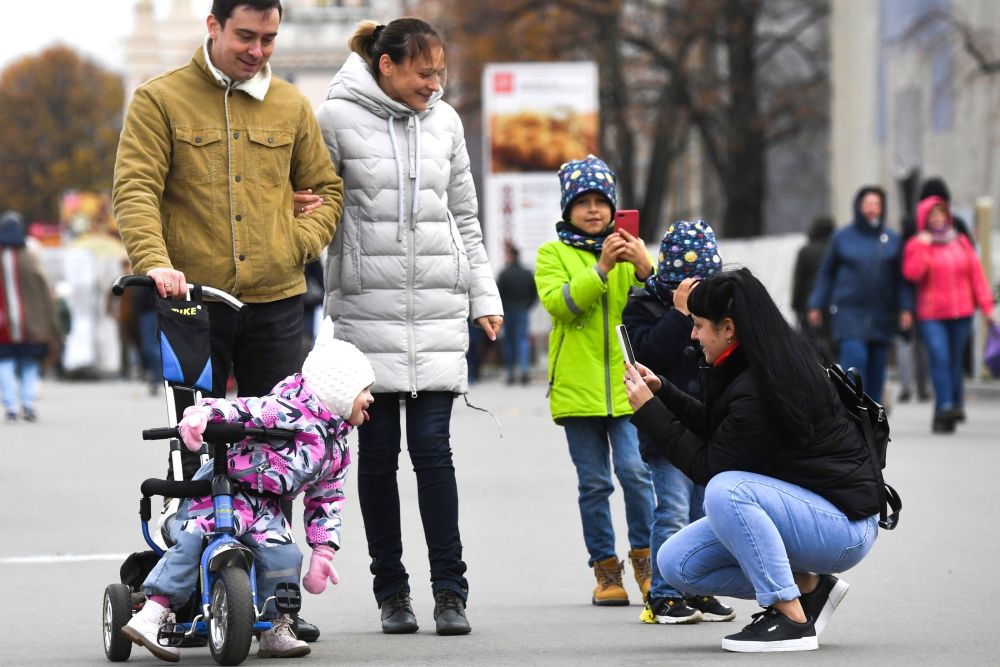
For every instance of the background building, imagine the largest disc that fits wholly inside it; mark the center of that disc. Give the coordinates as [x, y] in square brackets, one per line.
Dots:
[910, 99]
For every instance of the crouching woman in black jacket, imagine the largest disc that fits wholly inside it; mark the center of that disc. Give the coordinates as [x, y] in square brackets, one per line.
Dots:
[791, 494]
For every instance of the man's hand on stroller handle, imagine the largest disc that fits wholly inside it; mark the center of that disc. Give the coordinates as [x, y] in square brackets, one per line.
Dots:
[169, 282]
[320, 569]
[177, 290]
[192, 426]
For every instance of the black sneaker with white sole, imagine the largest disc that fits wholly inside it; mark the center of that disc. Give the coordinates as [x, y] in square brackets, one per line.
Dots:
[711, 609]
[672, 611]
[769, 631]
[820, 604]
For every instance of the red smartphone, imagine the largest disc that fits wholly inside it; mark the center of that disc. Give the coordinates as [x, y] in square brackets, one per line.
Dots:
[628, 220]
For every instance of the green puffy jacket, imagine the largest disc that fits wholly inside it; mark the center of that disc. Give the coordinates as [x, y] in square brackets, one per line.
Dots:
[585, 361]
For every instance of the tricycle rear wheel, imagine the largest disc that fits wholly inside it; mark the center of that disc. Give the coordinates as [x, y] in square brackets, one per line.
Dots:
[117, 611]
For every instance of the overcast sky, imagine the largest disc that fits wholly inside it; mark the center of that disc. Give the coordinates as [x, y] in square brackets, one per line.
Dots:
[95, 27]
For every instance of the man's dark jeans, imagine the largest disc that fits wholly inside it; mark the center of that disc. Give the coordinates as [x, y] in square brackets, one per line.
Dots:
[261, 345]
[428, 418]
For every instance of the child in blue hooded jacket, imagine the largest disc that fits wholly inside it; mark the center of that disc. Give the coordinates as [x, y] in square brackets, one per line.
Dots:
[659, 326]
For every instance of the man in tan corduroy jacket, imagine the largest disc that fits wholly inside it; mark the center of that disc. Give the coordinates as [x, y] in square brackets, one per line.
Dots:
[210, 154]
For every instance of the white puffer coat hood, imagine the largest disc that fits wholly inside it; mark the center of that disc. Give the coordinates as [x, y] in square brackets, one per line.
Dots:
[407, 266]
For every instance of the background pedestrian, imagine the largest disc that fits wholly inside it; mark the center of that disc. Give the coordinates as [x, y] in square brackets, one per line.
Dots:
[950, 285]
[517, 291]
[860, 287]
[29, 328]
[807, 264]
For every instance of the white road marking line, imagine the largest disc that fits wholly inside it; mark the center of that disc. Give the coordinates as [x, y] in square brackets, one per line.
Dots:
[59, 558]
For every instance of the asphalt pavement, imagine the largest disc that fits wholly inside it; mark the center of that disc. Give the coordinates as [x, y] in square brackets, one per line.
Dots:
[70, 488]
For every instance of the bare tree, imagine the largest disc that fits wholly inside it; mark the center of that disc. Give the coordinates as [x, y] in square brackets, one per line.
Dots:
[980, 44]
[670, 70]
[59, 129]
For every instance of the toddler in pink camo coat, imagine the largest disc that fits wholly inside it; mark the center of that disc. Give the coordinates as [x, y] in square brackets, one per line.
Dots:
[322, 403]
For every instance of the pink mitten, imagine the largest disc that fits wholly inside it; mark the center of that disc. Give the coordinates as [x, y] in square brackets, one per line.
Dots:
[320, 568]
[192, 426]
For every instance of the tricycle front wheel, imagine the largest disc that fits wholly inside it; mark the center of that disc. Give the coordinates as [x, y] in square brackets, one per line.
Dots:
[230, 628]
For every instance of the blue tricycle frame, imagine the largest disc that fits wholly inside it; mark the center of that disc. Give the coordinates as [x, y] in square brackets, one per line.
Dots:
[218, 616]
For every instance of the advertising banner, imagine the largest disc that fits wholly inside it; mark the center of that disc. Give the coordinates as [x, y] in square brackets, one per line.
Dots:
[536, 117]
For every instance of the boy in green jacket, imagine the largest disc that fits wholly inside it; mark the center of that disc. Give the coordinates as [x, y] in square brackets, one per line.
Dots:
[583, 280]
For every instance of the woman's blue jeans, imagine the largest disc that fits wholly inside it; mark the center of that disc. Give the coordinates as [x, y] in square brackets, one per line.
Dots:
[869, 357]
[945, 341]
[25, 370]
[591, 440]
[756, 532]
[428, 440]
[679, 501]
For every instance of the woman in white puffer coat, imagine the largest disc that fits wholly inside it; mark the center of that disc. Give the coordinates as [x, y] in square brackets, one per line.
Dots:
[405, 271]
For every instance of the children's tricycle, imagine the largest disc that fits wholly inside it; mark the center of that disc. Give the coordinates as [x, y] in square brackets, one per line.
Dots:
[224, 611]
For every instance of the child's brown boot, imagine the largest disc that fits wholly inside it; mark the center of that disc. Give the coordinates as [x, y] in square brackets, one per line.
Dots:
[642, 569]
[609, 590]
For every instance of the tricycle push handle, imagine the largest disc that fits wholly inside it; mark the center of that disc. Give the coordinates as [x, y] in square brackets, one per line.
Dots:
[223, 433]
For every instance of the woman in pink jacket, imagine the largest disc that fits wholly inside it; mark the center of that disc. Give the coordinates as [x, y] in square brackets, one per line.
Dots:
[950, 284]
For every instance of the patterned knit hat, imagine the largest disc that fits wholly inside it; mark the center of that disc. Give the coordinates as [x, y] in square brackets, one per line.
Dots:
[337, 371]
[587, 175]
[688, 250]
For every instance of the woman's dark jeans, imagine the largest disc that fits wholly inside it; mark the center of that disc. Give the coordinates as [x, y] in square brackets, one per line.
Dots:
[946, 341]
[428, 418]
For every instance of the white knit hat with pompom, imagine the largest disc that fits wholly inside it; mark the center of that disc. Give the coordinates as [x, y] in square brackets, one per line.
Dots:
[337, 371]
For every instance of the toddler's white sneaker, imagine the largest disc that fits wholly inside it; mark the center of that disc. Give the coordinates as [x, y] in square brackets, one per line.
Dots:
[280, 641]
[145, 626]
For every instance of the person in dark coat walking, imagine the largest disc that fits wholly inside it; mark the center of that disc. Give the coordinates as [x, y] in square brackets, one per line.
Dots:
[807, 264]
[860, 287]
[518, 295]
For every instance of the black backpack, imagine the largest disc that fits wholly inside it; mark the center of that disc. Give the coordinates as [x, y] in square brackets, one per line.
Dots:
[874, 426]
